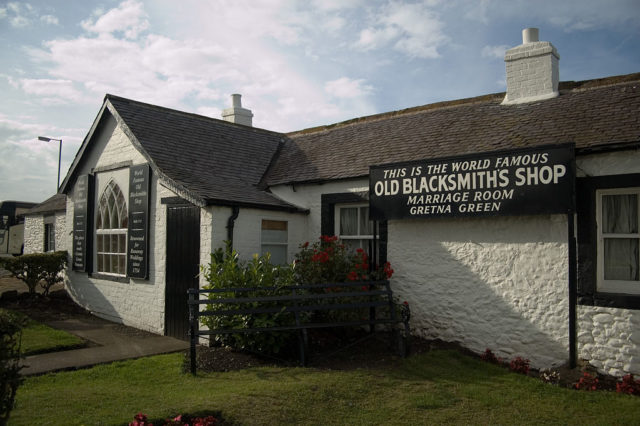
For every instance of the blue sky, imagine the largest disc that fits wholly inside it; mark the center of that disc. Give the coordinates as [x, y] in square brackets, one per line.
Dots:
[297, 64]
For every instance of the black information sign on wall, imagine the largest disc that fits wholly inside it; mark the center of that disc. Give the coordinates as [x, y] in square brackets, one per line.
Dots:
[81, 223]
[138, 240]
[517, 182]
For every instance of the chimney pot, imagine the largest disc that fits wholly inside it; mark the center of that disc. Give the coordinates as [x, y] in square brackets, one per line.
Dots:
[530, 35]
[236, 100]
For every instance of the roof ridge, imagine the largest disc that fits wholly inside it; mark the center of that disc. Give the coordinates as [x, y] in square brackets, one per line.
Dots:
[565, 86]
[191, 114]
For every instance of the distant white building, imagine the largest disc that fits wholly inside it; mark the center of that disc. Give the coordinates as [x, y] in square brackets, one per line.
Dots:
[45, 226]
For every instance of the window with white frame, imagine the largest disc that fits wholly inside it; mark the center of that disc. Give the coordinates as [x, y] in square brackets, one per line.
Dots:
[618, 212]
[353, 226]
[111, 231]
[274, 239]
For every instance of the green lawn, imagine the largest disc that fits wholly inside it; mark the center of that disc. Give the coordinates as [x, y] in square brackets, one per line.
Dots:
[39, 338]
[439, 387]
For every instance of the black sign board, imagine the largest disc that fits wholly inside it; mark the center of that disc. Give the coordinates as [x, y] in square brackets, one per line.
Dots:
[81, 210]
[138, 239]
[517, 182]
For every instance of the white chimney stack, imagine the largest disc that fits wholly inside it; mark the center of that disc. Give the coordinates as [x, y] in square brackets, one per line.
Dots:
[237, 114]
[532, 70]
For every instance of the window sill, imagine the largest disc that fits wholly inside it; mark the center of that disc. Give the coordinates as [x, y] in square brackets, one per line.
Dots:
[107, 277]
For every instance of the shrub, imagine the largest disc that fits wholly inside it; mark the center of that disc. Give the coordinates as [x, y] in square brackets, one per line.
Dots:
[10, 335]
[489, 356]
[519, 365]
[141, 419]
[587, 382]
[37, 267]
[226, 271]
[628, 385]
[330, 261]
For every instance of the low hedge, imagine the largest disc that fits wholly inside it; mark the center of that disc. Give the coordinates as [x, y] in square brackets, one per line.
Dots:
[43, 268]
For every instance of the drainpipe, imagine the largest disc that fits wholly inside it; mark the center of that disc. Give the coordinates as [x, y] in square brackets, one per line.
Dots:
[573, 294]
[235, 211]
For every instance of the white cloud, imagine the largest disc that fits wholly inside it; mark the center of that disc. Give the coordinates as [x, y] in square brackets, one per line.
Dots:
[21, 15]
[413, 29]
[345, 87]
[129, 18]
[49, 20]
[51, 91]
[494, 51]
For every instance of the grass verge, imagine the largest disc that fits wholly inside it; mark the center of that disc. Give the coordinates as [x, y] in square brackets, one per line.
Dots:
[38, 338]
[439, 387]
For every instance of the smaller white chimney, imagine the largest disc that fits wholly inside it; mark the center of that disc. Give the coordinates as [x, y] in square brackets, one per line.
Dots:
[237, 114]
[532, 70]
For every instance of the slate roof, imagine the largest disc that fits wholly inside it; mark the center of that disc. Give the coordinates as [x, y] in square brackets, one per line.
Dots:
[55, 203]
[594, 114]
[216, 161]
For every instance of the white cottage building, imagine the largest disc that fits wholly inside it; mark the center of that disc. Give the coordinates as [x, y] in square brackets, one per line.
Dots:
[45, 225]
[152, 191]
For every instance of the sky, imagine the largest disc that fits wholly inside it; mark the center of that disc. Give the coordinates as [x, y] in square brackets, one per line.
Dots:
[297, 64]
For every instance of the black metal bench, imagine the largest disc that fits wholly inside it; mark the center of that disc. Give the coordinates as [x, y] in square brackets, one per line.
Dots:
[304, 303]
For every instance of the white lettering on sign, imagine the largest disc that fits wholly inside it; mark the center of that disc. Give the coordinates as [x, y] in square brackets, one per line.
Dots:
[515, 182]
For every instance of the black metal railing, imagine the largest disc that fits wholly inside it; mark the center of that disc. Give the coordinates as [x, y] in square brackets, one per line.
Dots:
[307, 306]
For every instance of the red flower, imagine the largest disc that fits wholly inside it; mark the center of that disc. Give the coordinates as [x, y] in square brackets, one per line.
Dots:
[352, 276]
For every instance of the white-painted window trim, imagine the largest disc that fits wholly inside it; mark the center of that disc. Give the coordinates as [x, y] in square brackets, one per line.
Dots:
[105, 231]
[266, 242]
[359, 237]
[613, 286]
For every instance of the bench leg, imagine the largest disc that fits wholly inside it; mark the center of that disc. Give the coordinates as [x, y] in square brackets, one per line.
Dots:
[302, 343]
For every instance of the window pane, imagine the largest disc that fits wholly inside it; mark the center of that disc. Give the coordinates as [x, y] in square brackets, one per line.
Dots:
[121, 265]
[122, 243]
[114, 244]
[620, 214]
[274, 236]
[100, 263]
[275, 225]
[278, 253]
[366, 226]
[352, 245]
[621, 259]
[349, 221]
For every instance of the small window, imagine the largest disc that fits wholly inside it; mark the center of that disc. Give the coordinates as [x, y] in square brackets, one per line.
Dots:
[111, 232]
[49, 237]
[274, 239]
[353, 226]
[618, 240]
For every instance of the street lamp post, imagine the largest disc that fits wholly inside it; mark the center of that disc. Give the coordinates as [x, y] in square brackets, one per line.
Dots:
[46, 139]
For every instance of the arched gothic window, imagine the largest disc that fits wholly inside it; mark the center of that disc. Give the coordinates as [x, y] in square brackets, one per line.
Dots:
[111, 231]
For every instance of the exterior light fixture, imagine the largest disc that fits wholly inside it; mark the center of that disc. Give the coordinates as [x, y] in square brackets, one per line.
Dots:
[46, 139]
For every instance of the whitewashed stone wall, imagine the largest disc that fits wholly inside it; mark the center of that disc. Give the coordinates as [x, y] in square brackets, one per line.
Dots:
[34, 233]
[497, 283]
[138, 303]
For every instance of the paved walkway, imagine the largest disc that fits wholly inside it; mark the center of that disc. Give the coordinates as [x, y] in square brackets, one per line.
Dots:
[108, 341]
[112, 342]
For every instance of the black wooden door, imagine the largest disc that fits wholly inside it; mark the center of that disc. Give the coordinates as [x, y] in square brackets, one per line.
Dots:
[183, 259]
